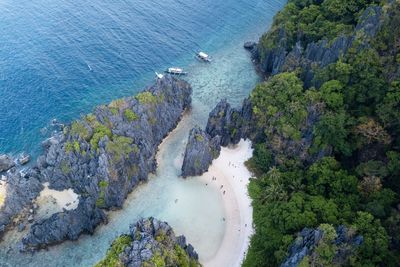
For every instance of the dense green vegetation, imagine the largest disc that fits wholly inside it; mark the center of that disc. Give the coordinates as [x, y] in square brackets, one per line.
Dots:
[120, 148]
[331, 154]
[112, 256]
[313, 20]
[169, 254]
[130, 115]
[171, 257]
[78, 128]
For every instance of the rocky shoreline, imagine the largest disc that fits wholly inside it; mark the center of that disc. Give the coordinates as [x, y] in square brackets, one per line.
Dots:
[230, 125]
[102, 157]
[6, 163]
[309, 57]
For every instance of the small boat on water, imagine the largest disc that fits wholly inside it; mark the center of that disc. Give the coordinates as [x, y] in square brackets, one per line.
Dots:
[203, 57]
[176, 71]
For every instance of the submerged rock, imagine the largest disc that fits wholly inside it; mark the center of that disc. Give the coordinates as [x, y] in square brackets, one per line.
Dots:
[150, 243]
[201, 149]
[46, 144]
[6, 163]
[250, 45]
[101, 157]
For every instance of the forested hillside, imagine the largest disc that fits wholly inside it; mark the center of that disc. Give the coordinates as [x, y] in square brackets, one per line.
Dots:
[327, 152]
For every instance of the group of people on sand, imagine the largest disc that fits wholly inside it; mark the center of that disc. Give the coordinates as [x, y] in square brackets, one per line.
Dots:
[214, 179]
[221, 188]
[233, 165]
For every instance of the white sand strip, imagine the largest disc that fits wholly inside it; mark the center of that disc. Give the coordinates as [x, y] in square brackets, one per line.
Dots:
[232, 177]
[3, 193]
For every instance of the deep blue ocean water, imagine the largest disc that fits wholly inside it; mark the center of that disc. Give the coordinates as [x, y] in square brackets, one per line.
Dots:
[59, 59]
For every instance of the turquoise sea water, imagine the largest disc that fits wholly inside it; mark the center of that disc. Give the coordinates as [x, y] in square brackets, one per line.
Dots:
[59, 59]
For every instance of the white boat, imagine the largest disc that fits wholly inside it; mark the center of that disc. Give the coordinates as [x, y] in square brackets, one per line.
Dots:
[159, 75]
[203, 57]
[176, 71]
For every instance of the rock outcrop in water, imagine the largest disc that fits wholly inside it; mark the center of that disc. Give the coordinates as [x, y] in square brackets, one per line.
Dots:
[250, 45]
[344, 242]
[102, 157]
[150, 243]
[6, 163]
[315, 55]
[200, 152]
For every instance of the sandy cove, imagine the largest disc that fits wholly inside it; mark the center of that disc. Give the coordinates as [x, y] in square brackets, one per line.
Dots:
[52, 201]
[232, 178]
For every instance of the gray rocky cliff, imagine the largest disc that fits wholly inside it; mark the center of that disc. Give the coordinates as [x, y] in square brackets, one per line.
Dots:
[200, 151]
[225, 126]
[309, 239]
[229, 123]
[316, 54]
[102, 157]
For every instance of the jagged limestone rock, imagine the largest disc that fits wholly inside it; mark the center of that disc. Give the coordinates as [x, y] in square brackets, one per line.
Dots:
[345, 243]
[280, 58]
[150, 243]
[200, 151]
[102, 157]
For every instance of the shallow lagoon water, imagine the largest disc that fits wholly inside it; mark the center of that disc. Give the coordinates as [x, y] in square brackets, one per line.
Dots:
[132, 39]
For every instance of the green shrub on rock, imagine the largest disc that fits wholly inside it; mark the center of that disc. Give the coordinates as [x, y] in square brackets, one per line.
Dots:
[130, 115]
[112, 257]
[146, 98]
[99, 132]
[78, 128]
[120, 147]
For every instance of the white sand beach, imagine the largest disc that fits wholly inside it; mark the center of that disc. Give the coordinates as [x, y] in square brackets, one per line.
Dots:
[3, 192]
[232, 177]
[52, 201]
